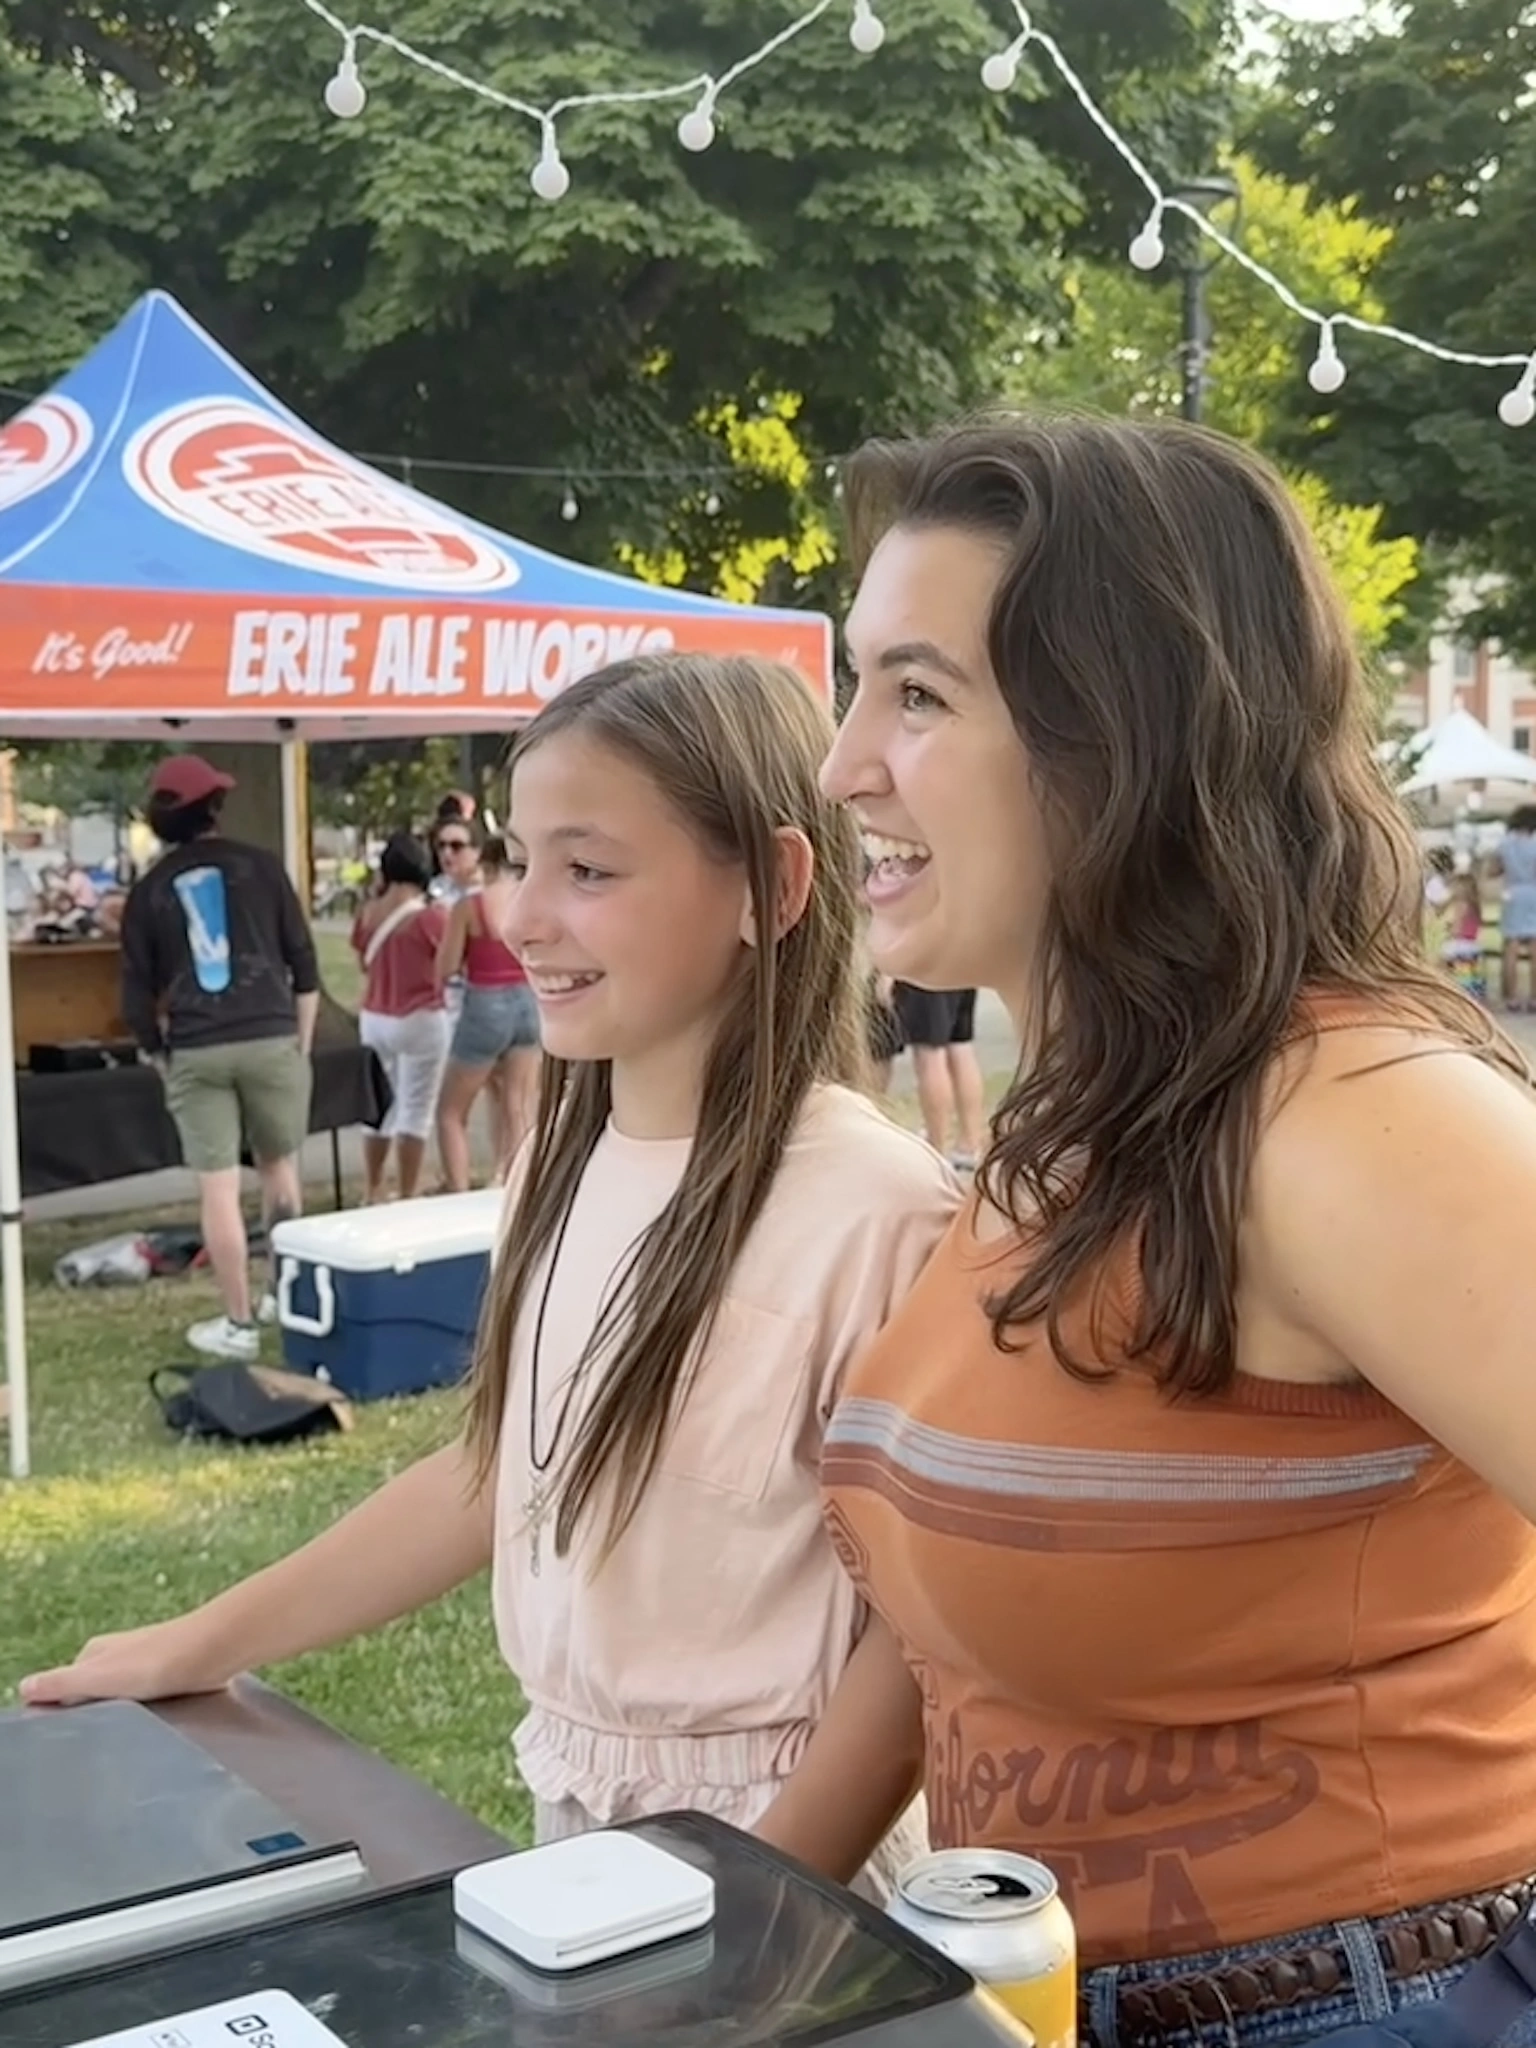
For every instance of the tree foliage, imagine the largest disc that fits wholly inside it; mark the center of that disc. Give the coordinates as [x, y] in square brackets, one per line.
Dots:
[1120, 350]
[76, 776]
[856, 238]
[382, 786]
[1422, 118]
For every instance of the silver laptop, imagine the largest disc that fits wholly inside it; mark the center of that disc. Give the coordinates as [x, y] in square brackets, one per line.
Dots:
[117, 1833]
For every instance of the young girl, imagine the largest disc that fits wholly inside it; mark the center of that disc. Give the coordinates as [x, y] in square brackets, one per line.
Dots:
[403, 1017]
[706, 1225]
[496, 1037]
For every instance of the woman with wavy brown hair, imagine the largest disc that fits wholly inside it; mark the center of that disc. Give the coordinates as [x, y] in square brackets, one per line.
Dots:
[1193, 1482]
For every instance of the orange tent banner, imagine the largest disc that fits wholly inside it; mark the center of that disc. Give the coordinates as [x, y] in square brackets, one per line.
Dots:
[75, 655]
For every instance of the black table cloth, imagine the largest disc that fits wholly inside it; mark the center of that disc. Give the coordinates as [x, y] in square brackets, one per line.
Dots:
[80, 1129]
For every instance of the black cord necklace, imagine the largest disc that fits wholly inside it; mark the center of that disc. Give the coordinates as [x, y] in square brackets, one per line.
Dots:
[542, 1490]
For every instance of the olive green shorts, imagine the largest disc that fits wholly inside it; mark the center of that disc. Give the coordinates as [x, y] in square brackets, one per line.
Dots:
[256, 1091]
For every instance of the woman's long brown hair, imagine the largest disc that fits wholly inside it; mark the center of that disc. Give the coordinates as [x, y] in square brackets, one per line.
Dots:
[734, 746]
[1191, 703]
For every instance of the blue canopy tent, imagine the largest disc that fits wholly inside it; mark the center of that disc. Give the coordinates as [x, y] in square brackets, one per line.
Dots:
[177, 549]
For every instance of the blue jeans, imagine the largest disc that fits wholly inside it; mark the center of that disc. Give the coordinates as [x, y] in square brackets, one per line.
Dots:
[1369, 1995]
[494, 1022]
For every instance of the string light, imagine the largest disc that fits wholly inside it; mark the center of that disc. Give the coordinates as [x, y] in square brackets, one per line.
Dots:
[712, 504]
[1517, 408]
[1000, 70]
[551, 180]
[570, 506]
[1327, 372]
[1147, 251]
[696, 130]
[867, 31]
[549, 177]
[345, 96]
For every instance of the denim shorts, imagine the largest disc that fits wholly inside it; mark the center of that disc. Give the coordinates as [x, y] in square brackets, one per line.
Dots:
[494, 1022]
[1370, 1995]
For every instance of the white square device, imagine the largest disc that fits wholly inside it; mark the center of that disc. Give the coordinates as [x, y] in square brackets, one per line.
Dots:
[581, 1901]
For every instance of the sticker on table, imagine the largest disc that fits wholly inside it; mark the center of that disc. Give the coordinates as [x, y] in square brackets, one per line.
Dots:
[262, 2019]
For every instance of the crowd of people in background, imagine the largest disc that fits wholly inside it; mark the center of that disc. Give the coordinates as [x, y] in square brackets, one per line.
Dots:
[1482, 909]
[446, 1005]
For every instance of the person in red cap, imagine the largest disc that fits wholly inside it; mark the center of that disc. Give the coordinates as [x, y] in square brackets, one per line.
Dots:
[221, 990]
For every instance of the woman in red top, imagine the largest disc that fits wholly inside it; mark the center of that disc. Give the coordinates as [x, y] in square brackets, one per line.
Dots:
[403, 1019]
[496, 1037]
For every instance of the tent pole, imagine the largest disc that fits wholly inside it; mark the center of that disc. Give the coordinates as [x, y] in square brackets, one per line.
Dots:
[12, 1275]
[291, 779]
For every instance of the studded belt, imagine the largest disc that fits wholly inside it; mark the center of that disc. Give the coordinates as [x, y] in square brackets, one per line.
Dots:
[1459, 1931]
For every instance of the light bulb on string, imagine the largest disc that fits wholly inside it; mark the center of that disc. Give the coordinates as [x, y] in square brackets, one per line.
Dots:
[866, 32]
[570, 505]
[550, 179]
[1146, 251]
[1517, 408]
[696, 130]
[345, 94]
[1327, 372]
[1002, 67]
[712, 504]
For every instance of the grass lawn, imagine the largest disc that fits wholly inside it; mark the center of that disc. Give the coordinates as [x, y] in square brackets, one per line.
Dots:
[340, 969]
[123, 1524]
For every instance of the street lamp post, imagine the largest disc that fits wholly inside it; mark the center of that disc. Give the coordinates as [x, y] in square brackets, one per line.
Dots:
[1195, 348]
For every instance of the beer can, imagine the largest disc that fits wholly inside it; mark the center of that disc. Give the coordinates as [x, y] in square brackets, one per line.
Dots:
[1001, 1917]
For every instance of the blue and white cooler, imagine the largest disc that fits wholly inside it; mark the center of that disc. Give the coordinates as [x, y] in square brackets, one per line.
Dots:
[384, 1301]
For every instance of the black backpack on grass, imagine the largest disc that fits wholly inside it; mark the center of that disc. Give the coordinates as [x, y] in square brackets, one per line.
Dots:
[246, 1404]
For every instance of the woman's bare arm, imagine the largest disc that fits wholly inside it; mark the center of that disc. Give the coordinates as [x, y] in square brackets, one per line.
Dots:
[862, 1767]
[451, 947]
[1393, 1215]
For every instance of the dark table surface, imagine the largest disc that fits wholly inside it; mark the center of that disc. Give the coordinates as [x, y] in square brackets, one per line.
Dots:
[112, 1122]
[784, 1960]
[332, 1787]
[330, 1784]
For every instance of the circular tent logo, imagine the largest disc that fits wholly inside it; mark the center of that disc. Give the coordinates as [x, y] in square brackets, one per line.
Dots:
[234, 473]
[40, 445]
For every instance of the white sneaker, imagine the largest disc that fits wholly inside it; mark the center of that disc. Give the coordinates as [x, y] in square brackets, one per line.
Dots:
[239, 1343]
[266, 1309]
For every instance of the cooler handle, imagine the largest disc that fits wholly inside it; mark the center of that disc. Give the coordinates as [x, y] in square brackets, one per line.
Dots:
[320, 1325]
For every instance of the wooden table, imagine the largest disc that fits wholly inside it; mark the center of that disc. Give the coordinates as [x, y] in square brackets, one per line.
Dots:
[331, 1786]
[67, 991]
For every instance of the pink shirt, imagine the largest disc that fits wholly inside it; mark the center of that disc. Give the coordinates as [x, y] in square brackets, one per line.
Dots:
[691, 1668]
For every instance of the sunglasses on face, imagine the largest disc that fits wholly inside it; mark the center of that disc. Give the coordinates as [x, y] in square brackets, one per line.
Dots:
[453, 846]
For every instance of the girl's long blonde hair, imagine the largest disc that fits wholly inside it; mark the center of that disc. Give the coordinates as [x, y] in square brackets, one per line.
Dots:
[735, 746]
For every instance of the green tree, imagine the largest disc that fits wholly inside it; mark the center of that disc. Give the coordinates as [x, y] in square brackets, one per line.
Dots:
[381, 785]
[1120, 350]
[66, 265]
[1421, 116]
[851, 246]
[75, 776]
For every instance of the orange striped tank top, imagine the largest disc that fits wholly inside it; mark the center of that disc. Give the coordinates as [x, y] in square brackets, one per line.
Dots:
[1230, 1666]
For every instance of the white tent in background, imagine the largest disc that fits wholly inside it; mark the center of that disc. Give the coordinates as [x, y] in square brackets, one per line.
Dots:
[1461, 749]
